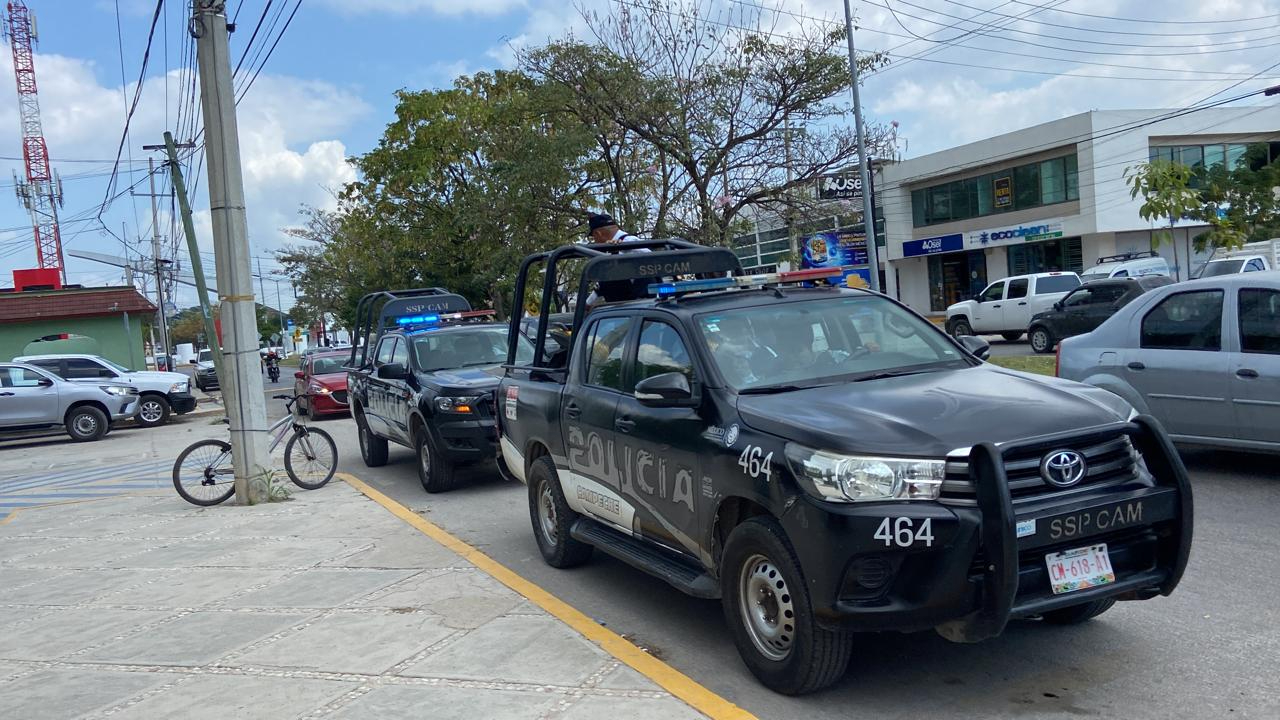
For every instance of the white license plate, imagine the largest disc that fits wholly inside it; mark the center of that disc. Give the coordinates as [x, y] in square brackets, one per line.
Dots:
[1079, 569]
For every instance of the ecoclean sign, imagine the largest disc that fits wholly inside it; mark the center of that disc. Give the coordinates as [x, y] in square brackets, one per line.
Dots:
[1028, 232]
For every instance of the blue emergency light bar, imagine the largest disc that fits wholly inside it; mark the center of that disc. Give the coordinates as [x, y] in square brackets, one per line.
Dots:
[417, 319]
[667, 289]
[408, 320]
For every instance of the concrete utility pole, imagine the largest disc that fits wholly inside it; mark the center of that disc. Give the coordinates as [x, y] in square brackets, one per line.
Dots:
[864, 162]
[248, 410]
[158, 261]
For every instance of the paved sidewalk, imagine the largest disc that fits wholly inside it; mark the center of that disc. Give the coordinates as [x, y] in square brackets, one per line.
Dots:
[327, 606]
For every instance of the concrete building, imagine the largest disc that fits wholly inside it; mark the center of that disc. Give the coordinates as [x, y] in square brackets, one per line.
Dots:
[1049, 197]
[104, 321]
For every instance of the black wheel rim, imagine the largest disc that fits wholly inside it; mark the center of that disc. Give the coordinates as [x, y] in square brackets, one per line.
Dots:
[206, 473]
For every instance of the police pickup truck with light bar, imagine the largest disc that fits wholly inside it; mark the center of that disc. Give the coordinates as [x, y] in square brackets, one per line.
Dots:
[423, 376]
[824, 461]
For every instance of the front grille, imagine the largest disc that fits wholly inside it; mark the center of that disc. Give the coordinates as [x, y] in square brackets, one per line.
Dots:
[484, 406]
[340, 396]
[1111, 459]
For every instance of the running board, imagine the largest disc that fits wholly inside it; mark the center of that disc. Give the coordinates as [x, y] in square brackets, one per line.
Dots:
[681, 575]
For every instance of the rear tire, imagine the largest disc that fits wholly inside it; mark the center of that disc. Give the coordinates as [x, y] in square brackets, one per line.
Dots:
[1042, 341]
[373, 449]
[202, 473]
[1077, 614]
[153, 410]
[1011, 336]
[767, 606]
[311, 467]
[552, 517]
[961, 327]
[434, 471]
[86, 423]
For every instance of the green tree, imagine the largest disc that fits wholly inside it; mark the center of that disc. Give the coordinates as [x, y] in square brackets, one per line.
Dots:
[1240, 203]
[1166, 191]
[710, 93]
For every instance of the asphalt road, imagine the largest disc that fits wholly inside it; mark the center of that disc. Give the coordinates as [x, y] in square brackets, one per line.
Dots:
[1208, 651]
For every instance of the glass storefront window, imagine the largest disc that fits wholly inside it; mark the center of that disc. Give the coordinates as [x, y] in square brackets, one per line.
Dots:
[1053, 181]
[1033, 185]
[954, 277]
[1026, 186]
[1192, 156]
[1215, 155]
[1073, 178]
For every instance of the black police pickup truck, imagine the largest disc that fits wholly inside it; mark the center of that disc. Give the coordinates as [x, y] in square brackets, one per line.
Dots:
[422, 375]
[824, 461]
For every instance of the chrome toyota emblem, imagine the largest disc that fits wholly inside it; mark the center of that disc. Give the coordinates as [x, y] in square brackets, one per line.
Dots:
[1063, 468]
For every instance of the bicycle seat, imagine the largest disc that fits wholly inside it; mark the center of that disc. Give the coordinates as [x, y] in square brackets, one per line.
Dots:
[282, 397]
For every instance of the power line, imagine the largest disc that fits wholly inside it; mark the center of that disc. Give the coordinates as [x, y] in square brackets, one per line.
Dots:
[1160, 22]
[269, 52]
[137, 95]
[1201, 33]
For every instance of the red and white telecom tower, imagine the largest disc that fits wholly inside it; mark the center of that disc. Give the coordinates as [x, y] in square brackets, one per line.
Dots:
[41, 192]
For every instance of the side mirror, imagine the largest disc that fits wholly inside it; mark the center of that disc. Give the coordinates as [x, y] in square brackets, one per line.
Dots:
[392, 371]
[976, 346]
[1058, 306]
[44, 382]
[299, 375]
[665, 389]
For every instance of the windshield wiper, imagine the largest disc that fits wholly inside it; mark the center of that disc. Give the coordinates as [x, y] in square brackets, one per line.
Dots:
[771, 389]
[891, 374]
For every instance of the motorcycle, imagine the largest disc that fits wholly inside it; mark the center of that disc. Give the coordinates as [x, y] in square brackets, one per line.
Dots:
[273, 371]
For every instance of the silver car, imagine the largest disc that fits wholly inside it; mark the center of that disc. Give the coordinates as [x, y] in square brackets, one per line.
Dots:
[34, 399]
[1202, 356]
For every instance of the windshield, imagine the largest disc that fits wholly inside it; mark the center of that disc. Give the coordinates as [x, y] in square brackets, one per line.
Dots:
[206, 356]
[467, 347]
[327, 365]
[822, 341]
[1222, 267]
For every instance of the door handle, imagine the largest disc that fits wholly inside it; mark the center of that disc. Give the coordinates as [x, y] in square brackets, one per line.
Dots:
[573, 411]
[624, 425]
[1022, 303]
[1135, 365]
[995, 306]
[6, 394]
[1242, 372]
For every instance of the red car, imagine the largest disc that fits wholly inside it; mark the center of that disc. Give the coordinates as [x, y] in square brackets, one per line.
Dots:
[323, 384]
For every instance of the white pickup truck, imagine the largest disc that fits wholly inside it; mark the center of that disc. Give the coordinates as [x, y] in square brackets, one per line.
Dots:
[1253, 257]
[1005, 307]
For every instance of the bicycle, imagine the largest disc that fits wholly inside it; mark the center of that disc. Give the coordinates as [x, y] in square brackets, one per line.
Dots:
[203, 474]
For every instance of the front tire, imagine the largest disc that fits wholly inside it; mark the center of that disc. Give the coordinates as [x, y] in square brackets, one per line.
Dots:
[1011, 336]
[434, 471]
[86, 424]
[1042, 341]
[1077, 614]
[153, 410]
[767, 606]
[961, 327]
[310, 458]
[552, 517]
[373, 449]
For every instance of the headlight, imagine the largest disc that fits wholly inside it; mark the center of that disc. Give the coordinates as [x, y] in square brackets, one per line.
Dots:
[318, 389]
[178, 387]
[463, 405]
[117, 390]
[855, 478]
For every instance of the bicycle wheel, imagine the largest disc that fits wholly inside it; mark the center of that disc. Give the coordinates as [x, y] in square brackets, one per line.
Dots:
[310, 457]
[203, 474]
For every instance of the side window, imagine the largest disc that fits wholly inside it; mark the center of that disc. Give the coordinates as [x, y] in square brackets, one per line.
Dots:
[53, 366]
[385, 348]
[1255, 265]
[401, 353]
[1186, 321]
[1260, 321]
[661, 351]
[604, 352]
[1107, 294]
[1079, 298]
[19, 377]
[1017, 288]
[995, 291]
[79, 368]
[1121, 273]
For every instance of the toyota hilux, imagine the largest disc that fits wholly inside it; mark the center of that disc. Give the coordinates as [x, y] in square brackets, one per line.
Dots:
[825, 461]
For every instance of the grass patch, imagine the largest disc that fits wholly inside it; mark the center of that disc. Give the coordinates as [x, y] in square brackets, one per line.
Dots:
[294, 360]
[1039, 364]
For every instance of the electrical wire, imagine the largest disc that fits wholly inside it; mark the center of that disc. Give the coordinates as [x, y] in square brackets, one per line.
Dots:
[1203, 33]
[1160, 22]
[137, 95]
[270, 51]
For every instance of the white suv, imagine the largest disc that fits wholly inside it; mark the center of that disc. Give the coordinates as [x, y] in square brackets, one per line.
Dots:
[1005, 307]
[161, 393]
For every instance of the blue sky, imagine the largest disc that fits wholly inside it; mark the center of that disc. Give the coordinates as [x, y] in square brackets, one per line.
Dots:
[327, 91]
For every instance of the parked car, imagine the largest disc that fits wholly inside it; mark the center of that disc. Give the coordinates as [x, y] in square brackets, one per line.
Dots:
[1006, 306]
[322, 382]
[32, 398]
[161, 392]
[206, 377]
[825, 461]
[1137, 264]
[1254, 257]
[1202, 356]
[1087, 307]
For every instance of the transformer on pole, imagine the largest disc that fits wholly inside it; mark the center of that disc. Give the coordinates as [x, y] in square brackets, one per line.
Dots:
[41, 191]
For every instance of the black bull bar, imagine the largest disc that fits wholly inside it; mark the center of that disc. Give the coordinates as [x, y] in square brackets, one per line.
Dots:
[999, 535]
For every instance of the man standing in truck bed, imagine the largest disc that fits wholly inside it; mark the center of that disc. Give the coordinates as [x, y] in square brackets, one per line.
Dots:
[602, 229]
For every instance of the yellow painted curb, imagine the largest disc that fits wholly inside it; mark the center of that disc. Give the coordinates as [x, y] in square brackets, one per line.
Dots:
[670, 679]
